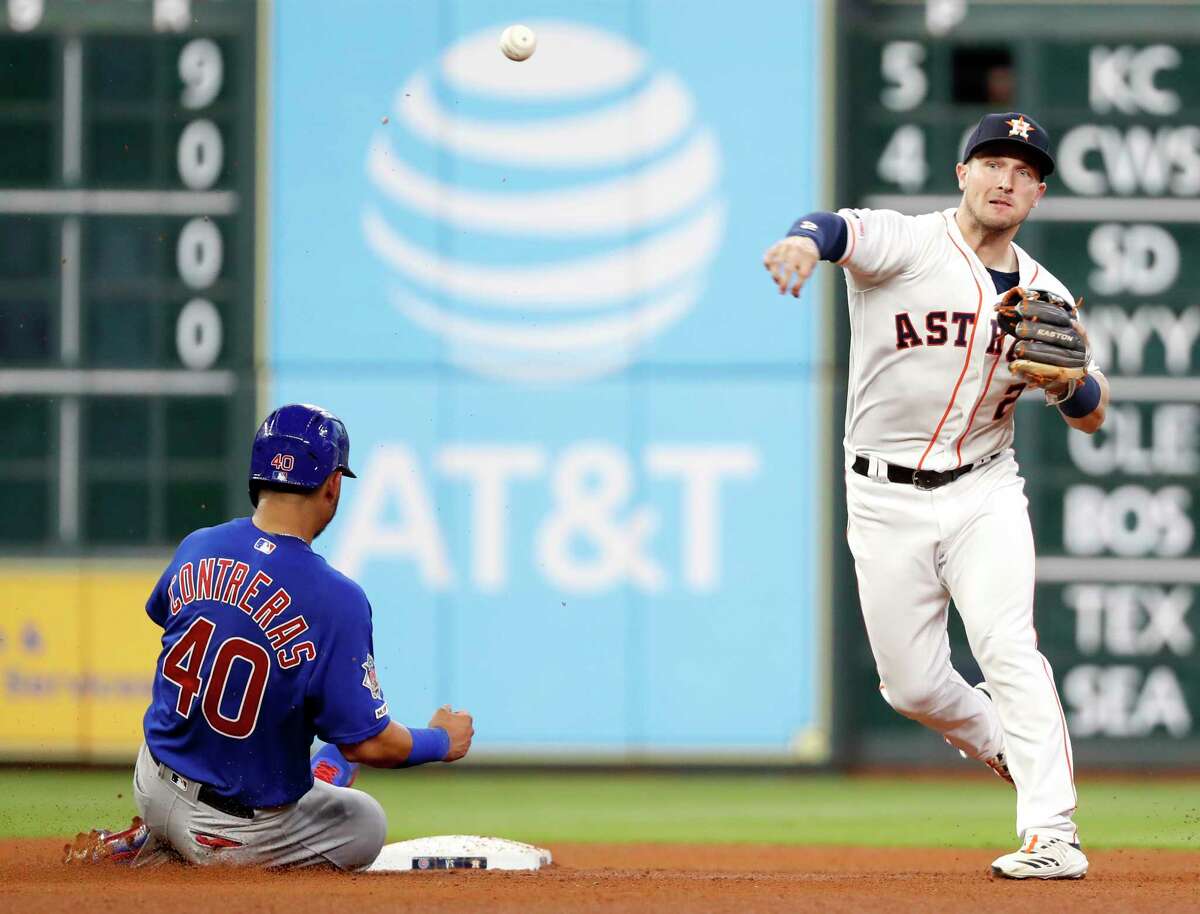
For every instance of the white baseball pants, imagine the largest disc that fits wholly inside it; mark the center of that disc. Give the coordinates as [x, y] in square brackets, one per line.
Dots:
[328, 825]
[969, 540]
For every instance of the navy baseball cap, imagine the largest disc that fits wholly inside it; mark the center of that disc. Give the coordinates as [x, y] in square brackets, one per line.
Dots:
[1012, 129]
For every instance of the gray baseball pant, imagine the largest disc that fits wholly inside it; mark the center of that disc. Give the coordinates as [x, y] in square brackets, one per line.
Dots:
[328, 825]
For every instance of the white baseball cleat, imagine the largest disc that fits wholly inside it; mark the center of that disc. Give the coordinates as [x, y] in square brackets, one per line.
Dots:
[1053, 858]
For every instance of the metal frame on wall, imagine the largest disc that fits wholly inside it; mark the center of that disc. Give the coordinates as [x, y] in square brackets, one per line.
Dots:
[128, 168]
[149, 302]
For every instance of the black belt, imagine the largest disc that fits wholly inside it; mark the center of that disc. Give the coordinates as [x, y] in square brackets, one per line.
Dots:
[920, 479]
[209, 797]
[226, 805]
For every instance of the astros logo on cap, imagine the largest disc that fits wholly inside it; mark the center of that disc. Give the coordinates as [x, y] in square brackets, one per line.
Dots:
[1020, 127]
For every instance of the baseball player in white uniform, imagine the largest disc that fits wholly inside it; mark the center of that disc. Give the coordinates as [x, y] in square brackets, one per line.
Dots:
[936, 503]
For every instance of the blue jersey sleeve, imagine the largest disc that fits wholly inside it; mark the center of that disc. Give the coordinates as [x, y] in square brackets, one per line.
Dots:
[158, 606]
[344, 691]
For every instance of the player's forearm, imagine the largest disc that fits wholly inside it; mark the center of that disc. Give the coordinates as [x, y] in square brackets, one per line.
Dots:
[387, 749]
[1091, 421]
[811, 239]
[828, 232]
[397, 746]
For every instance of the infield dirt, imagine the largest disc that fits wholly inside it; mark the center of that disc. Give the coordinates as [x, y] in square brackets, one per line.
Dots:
[612, 878]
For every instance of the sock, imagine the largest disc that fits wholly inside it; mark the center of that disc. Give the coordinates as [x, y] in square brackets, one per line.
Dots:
[330, 766]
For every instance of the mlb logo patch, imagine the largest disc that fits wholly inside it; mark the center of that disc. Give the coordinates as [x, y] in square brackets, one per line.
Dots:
[178, 781]
[370, 680]
[264, 545]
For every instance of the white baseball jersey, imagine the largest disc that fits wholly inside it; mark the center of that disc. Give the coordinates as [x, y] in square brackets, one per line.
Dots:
[930, 388]
[929, 382]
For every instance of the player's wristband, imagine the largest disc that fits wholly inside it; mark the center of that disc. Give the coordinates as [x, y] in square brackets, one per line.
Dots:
[828, 232]
[1085, 399]
[430, 744]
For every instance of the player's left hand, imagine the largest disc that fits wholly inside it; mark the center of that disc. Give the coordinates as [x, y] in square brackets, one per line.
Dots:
[1054, 387]
[460, 726]
[1052, 350]
[790, 262]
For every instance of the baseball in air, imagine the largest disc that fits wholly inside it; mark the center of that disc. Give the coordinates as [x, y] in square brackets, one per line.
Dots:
[518, 42]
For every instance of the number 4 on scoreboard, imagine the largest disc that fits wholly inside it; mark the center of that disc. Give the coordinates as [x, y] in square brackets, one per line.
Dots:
[902, 161]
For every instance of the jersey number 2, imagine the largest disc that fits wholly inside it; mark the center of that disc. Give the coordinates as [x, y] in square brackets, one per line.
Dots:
[182, 666]
[1010, 397]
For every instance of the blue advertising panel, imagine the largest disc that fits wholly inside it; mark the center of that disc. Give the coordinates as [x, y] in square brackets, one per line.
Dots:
[587, 430]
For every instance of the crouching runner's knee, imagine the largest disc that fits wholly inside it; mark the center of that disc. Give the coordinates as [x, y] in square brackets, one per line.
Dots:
[366, 828]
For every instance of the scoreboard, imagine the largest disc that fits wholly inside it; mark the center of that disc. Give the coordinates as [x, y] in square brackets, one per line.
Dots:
[127, 269]
[1115, 514]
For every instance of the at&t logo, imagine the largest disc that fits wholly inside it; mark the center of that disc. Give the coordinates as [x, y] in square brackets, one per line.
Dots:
[544, 220]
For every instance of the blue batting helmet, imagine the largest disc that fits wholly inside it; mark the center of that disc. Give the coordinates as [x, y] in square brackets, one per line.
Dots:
[297, 447]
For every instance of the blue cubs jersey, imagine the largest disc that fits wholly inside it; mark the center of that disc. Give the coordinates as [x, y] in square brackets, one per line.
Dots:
[263, 647]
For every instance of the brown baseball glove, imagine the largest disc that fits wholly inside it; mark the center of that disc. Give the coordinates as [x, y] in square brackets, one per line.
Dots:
[1051, 346]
